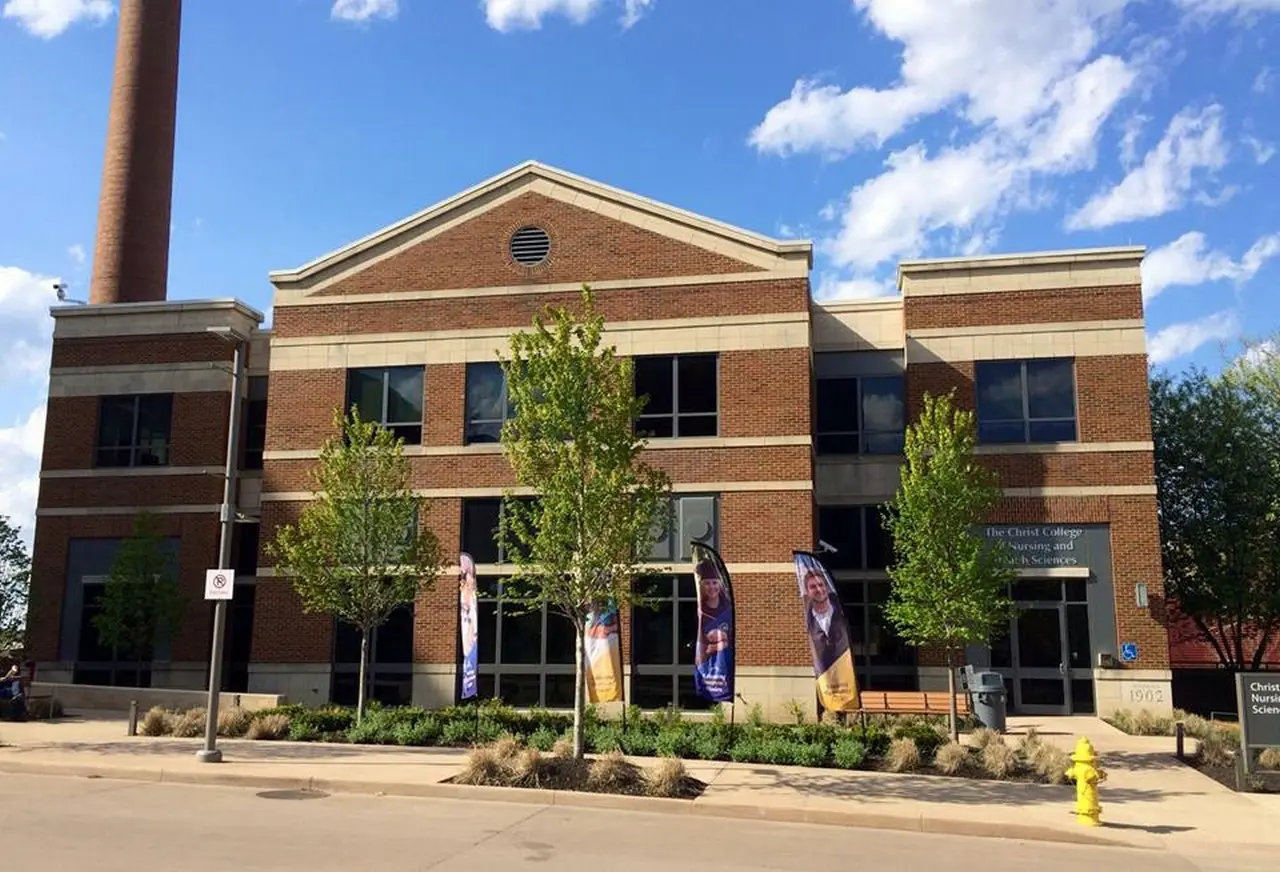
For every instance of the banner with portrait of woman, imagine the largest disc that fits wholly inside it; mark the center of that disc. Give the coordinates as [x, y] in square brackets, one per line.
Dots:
[713, 666]
[828, 633]
[468, 625]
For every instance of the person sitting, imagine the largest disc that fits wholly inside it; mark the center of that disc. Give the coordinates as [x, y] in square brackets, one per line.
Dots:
[11, 691]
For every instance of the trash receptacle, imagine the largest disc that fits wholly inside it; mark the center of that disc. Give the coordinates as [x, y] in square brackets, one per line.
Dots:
[987, 692]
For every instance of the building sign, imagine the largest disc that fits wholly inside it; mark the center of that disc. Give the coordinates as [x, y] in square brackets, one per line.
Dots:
[1258, 695]
[1042, 545]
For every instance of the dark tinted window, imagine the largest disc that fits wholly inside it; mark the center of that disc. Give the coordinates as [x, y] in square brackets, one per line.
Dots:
[682, 392]
[860, 415]
[255, 422]
[487, 406]
[1026, 401]
[390, 396]
[134, 430]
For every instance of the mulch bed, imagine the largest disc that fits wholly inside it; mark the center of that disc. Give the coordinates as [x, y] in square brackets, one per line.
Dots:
[1226, 776]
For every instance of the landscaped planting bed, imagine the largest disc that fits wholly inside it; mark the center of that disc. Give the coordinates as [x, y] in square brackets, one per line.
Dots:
[1219, 746]
[905, 744]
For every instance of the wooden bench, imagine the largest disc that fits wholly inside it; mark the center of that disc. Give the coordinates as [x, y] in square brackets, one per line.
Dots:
[909, 702]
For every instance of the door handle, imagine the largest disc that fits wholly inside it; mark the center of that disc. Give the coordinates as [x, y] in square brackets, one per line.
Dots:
[1062, 669]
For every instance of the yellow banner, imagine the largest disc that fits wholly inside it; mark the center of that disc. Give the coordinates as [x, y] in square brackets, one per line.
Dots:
[604, 657]
[838, 686]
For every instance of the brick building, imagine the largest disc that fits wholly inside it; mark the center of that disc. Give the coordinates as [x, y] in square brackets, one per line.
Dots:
[779, 420]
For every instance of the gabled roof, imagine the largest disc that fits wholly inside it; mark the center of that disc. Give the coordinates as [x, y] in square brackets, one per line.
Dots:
[629, 207]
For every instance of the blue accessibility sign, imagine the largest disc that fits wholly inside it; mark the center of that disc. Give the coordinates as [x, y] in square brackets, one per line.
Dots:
[1129, 652]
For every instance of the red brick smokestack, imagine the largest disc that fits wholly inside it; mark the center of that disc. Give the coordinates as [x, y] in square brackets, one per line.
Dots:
[131, 251]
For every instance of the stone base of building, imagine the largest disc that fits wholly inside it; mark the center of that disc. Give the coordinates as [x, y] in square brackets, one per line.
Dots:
[1134, 690]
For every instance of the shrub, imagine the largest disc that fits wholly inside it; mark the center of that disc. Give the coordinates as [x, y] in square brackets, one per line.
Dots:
[1122, 720]
[233, 722]
[333, 719]
[875, 737]
[1218, 749]
[925, 735]
[668, 778]
[984, 736]
[1148, 723]
[158, 721]
[562, 749]
[457, 732]
[1030, 743]
[189, 724]
[755, 716]
[612, 773]
[746, 750]
[849, 752]
[1195, 726]
[903, 756]
[603, 738]
[1269, 758]
[710, 742]
[674, 741]
[812, 754]
[1051, 763]
[778, 751]
[484, 767]
[638, 741]
[999, 760]
[795, 710]
[951, 758]
[543, 738]
[421, 734]
[301, 731]
[268, 727]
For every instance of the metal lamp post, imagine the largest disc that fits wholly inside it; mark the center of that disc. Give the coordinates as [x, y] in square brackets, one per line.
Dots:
[210, 753]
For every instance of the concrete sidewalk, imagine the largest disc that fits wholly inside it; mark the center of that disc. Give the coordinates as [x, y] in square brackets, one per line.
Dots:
[1150, 800]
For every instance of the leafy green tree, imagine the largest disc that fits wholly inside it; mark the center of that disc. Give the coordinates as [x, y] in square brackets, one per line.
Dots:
[358, 551]
[1218, 476]
[15, 584]
[140, 600]
[950, 585]
[573, 442]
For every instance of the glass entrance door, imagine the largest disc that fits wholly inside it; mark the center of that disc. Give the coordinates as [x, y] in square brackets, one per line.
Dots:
[1041, 674]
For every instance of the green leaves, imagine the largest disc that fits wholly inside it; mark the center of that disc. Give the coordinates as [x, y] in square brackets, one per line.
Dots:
[15, 584]
[949, 585]
[1218, 477]
[140, 599]
[357, 551]
[572, 441]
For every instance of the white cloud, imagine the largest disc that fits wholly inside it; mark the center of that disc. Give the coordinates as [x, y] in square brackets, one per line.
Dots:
[76, 253]
[49, 18]
[1263, 81]
[634, 11]
[1262, 151]
[508, 15]
[1188, 260]
[994, 61]
[1193, 142]
[1129, 139]
[364, 10]
[1183, 338]
[832, 289]
[20, 447]
[1220, 7]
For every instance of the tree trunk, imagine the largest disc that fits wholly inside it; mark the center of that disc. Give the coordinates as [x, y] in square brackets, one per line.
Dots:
[580, 694]
[953, 719]
[364, 666]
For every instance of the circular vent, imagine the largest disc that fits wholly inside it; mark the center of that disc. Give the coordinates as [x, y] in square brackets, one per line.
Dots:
[530, 245]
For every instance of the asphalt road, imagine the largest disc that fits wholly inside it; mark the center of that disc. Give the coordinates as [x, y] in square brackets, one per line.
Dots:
[57, 823]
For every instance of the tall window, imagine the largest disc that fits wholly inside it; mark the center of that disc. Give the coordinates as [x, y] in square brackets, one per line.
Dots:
[255, 422]
[692, 518]
[134, 430]
[683, 395]
[858, 535]
[390, 661]
[1026, 401]
[487, 405]
[100, 664]
[662, 636]
[865, 415]
[526, 657]
[480, 521]
[883, 660]
[390, 396]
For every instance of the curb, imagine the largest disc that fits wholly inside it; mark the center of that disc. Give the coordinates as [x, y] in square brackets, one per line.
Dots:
[915, 823]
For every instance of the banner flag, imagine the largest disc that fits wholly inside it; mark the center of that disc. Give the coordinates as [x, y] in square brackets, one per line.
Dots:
[828, 635]
[468, 625]
[713, 668]
[604, 655]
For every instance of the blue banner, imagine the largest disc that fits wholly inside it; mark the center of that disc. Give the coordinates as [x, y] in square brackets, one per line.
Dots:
[713, 667]
[468, 625]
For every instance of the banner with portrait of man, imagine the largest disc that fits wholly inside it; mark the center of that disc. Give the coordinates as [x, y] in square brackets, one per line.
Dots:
[713, 667]
[828, 633]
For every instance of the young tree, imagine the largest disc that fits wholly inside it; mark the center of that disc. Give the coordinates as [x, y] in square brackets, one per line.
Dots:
[573, 441]
[1218, 479]
[140, 600]
[950, 585]
[15, 583]
[358, 551]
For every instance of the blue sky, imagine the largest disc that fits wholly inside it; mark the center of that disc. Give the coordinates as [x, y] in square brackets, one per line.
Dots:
[881, 129]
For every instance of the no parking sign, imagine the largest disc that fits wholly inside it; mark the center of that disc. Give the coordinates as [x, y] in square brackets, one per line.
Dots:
[219, 583]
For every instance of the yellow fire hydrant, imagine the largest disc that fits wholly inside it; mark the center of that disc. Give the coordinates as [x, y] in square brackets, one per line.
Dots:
[1087, 775]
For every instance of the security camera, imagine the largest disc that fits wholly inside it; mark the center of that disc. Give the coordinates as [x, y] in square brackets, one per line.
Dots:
[60, 288]
[825, 547]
